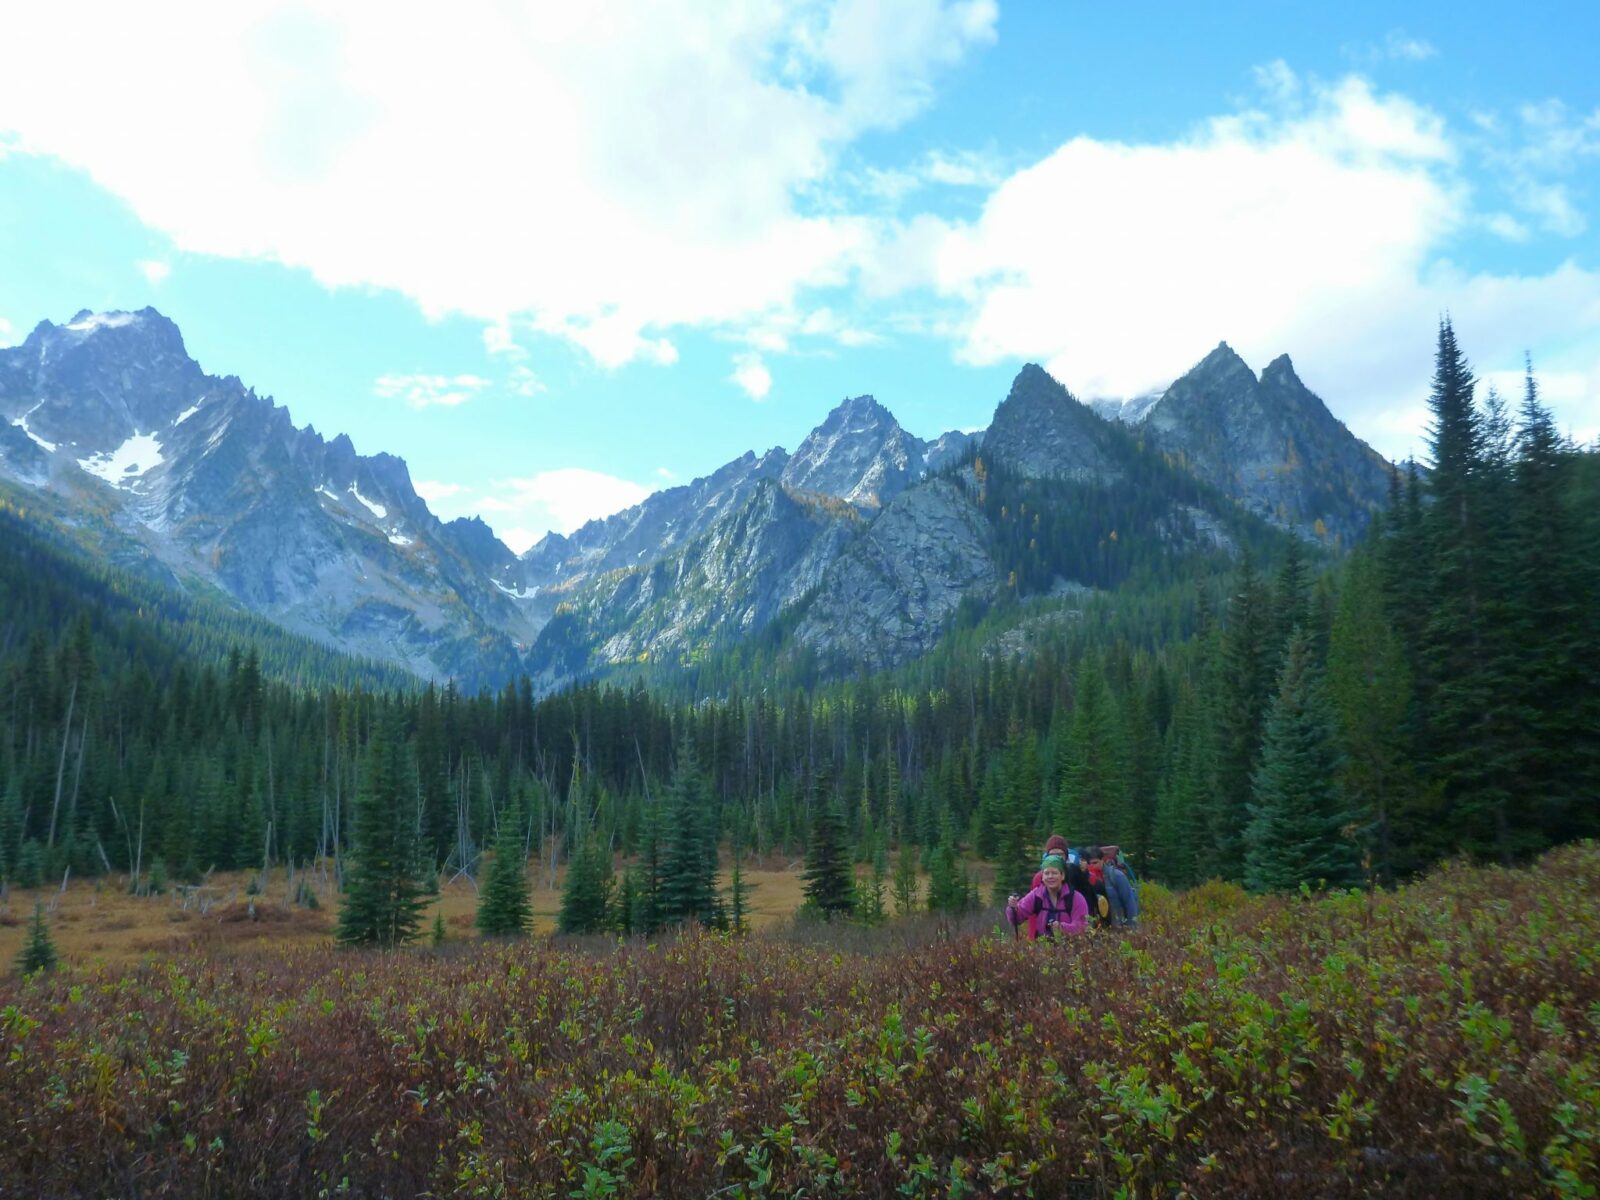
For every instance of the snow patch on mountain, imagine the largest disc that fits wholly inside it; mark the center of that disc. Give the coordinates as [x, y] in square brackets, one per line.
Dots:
[187, 413]
[122, 467]
[376, 510]
[22, 424]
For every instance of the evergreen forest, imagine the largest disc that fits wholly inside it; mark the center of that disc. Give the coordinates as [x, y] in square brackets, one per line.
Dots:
[1294, 715]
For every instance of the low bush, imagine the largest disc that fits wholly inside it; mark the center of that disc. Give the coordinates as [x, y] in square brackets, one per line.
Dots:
[1438, 1041]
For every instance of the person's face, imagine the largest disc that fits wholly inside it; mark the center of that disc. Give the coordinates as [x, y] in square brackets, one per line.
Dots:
[1052, 878]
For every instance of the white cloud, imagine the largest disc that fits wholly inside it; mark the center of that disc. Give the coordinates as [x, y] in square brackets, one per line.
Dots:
[751, 374]
[499, 339]
[424, 391]
[1551, 205]
[1397, 46]
[5, 332]
[1527, 153]
[964, 169]
[609, 171]
[524, 382]
[562, 500]
[1401, 45]
[1506, 226]
[155, 271]
[522, 510]
[434, 491]
[1313, 226]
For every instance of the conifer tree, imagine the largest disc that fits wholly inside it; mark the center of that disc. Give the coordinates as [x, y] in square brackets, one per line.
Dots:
[1471, 735]
[1291, 608]
[586, 893]
[947, 883]
[1553, 606]
[39, 951]
[1020, 787]
[688, 888]
[871, 904]
[829, 885]
[1089, 804]
[504, 908]
[1178, 853]
[1370, 690]
[738, 897]
[1245, 687]
[383, 893]
[905, 882]
[1296, 825]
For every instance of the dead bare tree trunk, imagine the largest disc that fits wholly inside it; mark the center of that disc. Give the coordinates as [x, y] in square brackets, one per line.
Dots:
[61, 763]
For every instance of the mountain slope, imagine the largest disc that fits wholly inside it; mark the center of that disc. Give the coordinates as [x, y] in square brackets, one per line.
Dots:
[750, 566]
[217, 483]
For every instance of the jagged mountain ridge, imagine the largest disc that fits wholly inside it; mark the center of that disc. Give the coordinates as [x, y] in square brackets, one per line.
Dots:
[1268, 441]
[862, 534]
[216, 482]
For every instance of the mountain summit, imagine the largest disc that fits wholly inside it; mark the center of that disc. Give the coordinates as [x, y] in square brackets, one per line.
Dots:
[1270, 443]
[1041, 431]
[859, 453]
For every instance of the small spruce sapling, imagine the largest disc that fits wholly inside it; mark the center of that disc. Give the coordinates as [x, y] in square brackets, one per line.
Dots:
[39, 951]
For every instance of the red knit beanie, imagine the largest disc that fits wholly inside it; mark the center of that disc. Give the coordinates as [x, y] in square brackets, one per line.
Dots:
[1056, 844]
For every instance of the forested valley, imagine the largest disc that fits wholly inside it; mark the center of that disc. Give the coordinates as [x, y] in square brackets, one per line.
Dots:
[1296, 716]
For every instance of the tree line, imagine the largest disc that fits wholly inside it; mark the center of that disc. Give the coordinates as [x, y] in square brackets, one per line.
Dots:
[1296, 719]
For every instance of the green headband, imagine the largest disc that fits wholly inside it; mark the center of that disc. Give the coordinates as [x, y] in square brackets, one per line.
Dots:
[1054, 860]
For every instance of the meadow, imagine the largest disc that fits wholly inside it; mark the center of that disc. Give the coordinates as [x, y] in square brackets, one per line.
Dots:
[1437, 1041]
[98, 922]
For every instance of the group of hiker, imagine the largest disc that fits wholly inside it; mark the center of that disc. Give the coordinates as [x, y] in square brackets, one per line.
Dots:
[1073, 887]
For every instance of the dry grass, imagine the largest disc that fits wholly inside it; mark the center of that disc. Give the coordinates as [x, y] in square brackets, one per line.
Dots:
[97, 921]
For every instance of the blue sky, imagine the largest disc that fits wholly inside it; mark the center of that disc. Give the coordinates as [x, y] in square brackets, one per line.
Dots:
[555, 256]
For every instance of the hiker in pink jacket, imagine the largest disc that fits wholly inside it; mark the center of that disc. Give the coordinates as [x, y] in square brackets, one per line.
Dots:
[1050, 906]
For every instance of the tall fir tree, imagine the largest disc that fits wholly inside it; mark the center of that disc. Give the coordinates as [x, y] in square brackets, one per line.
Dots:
[383, 891]
[1552, 607]
[1296, 831]
[1370, 691]
[688, 881]
[1020, 790]
[586, 893]
[829, 881]
[505, 908]
[1473, 734]
[1088, 806]
[1245, 666]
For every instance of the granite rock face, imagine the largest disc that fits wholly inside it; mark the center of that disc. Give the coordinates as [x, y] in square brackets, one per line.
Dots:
[752, 564]
[895, 588]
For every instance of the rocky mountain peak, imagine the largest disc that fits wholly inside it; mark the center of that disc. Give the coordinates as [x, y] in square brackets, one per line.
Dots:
[1280, 370]
[859, 453]
[1270, 443]
[1223, 363]
[90, 385]
[1042, 431]
[116, 332]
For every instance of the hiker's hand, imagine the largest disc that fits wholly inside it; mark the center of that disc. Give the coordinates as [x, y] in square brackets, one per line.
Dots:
[1011, 900]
